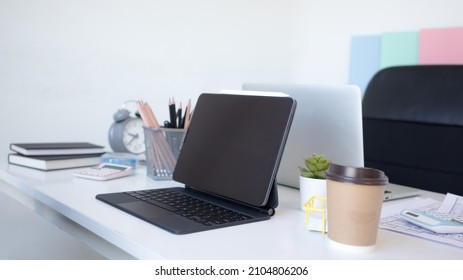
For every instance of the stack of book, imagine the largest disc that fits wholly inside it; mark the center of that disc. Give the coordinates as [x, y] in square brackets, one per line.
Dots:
[54, 156]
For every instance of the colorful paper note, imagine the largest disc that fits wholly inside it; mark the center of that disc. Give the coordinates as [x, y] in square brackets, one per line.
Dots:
[441, 46]
[399, 48]
[364, 59]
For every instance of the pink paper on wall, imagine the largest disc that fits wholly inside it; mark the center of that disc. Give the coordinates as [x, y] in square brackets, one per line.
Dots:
[441, 46]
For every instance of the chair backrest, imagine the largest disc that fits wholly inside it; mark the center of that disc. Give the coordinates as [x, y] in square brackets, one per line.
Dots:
[413, 126]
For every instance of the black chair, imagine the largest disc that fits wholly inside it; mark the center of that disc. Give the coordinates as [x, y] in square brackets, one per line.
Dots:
[413, 126]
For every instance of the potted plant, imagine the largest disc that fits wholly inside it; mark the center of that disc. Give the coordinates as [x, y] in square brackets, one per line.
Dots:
[312, 180]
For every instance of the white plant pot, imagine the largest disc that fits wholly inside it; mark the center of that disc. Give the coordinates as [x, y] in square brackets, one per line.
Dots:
[311, 187]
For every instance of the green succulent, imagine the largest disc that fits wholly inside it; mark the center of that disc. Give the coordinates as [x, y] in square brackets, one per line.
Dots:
[315, 167]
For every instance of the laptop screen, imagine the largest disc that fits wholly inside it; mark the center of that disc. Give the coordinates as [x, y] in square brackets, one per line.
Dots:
[328, 121]
[234, 144]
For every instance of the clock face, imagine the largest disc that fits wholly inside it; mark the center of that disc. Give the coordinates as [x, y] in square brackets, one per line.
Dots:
[133, 136]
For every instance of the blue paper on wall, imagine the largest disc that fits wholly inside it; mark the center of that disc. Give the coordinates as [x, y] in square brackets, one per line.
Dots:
[365, 58]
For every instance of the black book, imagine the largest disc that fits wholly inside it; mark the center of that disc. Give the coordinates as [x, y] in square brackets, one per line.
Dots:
[54, 162]
[56, 148]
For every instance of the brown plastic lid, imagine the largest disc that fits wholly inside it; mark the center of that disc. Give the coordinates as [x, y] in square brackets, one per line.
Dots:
[356, 175]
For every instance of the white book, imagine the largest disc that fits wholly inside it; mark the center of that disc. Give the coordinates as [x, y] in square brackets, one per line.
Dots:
[54, 162]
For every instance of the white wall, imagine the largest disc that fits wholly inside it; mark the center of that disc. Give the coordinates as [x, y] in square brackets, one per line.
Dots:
[329, 25]
[67, 66]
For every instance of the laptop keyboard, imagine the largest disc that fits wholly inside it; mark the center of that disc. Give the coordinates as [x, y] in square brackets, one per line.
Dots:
[192, 208]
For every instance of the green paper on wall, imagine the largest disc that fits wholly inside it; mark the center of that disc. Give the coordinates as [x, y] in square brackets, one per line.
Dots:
[399, 48]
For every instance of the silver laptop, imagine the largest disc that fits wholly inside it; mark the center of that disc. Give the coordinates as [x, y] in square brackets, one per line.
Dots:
[328, 121]
[394, 191]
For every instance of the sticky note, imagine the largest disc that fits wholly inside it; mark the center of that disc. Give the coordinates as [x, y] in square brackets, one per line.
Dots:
[441, 46]
[364, 59]
[399, 48]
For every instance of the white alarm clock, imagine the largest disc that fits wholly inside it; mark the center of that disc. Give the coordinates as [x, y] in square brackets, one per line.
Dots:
[126, 133]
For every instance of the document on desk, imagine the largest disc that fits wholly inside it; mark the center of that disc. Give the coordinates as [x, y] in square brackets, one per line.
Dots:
[391, 220]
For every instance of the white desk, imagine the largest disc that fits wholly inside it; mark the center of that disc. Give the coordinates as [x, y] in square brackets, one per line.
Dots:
[70, 203]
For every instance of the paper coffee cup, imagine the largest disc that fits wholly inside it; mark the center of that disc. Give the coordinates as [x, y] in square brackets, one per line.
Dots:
[354, 201]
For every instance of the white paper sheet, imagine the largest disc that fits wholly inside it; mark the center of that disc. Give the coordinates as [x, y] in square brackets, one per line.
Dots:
[391, 220]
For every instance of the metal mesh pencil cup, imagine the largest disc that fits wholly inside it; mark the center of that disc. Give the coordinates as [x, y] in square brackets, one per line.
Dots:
[163, 146]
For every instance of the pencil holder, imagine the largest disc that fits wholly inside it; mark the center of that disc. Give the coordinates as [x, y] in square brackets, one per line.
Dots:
[163, 146]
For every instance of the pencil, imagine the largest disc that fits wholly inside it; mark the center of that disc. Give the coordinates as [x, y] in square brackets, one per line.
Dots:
[187, 114]
[151, 117]
[179, 116]
[173, 113]
[162, 157]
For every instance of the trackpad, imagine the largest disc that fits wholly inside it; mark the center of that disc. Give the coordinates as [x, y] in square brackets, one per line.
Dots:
[143, 209]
